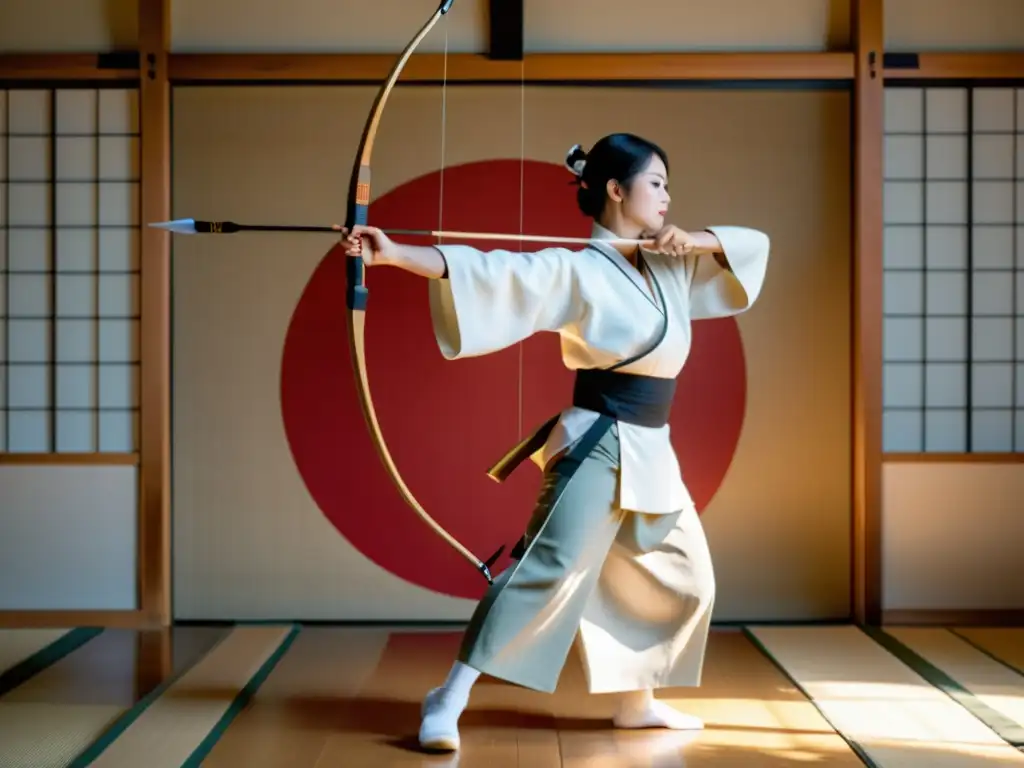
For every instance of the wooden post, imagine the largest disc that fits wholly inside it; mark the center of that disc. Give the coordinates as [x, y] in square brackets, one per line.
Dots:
[154, 543]
[868, 133]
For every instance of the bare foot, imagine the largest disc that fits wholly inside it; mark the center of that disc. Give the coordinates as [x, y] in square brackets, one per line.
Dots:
[656, 714]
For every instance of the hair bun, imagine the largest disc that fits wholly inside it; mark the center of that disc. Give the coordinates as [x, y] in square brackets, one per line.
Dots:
[576, 160]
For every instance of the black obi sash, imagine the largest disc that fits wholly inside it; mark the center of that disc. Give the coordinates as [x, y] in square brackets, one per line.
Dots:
[629, 397]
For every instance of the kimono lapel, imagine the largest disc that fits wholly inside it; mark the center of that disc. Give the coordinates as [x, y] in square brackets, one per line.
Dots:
[632, 273]
[651, 291]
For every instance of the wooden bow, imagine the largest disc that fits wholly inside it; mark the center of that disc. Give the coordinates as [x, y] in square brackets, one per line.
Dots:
[357, 293]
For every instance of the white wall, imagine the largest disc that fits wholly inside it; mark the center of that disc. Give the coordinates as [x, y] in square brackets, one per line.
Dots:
[67, 538]
[952, 536]
[250, 536]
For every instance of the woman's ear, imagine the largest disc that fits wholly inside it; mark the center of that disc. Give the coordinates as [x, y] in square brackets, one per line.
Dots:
[614, 190]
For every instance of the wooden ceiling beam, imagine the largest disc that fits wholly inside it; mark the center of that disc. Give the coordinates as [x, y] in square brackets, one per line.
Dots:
[955, 66]
[547, 67]
[47, 67]
[543, 67]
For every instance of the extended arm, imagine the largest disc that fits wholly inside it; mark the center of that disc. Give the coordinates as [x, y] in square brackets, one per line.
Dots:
[377, 249]
[490, 299]
[423, 260]
[494, 299]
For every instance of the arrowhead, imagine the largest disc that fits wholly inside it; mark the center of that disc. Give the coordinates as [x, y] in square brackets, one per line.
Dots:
[178, 226]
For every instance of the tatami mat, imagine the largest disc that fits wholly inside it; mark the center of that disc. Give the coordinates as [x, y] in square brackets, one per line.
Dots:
[291, 716]
[888, 712]
[900, 698]
[991, 691]
[180, 725]
[56, 710]
[23, 652]
[1005, 644]
[49, 735]
[16, 645]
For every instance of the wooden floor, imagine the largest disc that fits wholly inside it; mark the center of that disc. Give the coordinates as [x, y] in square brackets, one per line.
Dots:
[257, 696]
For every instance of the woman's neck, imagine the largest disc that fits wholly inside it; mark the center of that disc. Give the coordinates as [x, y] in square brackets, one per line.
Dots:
[626, 231]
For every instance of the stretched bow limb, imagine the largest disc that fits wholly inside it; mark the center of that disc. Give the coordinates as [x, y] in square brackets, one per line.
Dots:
[357, 293]
[194, 227]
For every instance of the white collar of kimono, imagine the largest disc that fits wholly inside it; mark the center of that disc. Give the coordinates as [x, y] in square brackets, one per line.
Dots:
[600, 233]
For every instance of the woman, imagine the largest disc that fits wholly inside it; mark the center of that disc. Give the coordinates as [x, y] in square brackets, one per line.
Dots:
[614, 556]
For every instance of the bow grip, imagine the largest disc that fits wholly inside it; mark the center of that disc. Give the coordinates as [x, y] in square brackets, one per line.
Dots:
[356, 293]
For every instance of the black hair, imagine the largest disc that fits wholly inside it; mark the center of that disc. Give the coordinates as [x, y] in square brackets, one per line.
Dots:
[619, 156]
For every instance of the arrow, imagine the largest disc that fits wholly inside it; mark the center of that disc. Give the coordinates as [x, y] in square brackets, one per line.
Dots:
[197, 227]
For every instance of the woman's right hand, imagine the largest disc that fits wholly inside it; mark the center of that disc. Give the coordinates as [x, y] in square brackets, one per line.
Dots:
[370, 243]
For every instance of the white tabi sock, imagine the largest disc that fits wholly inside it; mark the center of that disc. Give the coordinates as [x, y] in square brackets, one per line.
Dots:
[639, 709]
[439, 728]
[460, 679]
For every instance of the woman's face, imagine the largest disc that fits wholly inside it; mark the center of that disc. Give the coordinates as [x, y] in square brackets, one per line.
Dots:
[646, 203]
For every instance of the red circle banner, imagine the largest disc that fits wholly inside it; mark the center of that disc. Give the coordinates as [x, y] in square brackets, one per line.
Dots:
[446, 422]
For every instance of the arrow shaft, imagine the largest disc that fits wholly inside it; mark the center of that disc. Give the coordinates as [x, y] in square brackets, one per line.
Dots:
[230, 227]
[505, 236]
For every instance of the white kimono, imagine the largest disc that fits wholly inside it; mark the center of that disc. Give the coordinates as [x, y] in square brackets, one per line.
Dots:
[494, 299]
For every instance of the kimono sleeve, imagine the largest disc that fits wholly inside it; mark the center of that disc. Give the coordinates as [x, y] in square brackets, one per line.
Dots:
[494, 299]
[718, 292]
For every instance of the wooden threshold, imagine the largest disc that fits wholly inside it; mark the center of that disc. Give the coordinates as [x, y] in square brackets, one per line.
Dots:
[108, 619]
[953, 458]
[967, 65]
[48, 67]
[967, 617]
[535, 68]
[69, 459]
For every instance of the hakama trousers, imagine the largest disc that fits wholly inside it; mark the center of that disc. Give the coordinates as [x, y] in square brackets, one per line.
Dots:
[635, 591]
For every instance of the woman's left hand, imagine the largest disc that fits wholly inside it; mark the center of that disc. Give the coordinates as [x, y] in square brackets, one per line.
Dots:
[672, 241]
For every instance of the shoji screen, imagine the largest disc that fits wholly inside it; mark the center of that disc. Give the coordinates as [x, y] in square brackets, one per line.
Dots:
[954, 261]
[68, 270]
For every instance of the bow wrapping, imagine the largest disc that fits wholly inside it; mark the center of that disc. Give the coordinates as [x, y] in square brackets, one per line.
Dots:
[356, 294]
